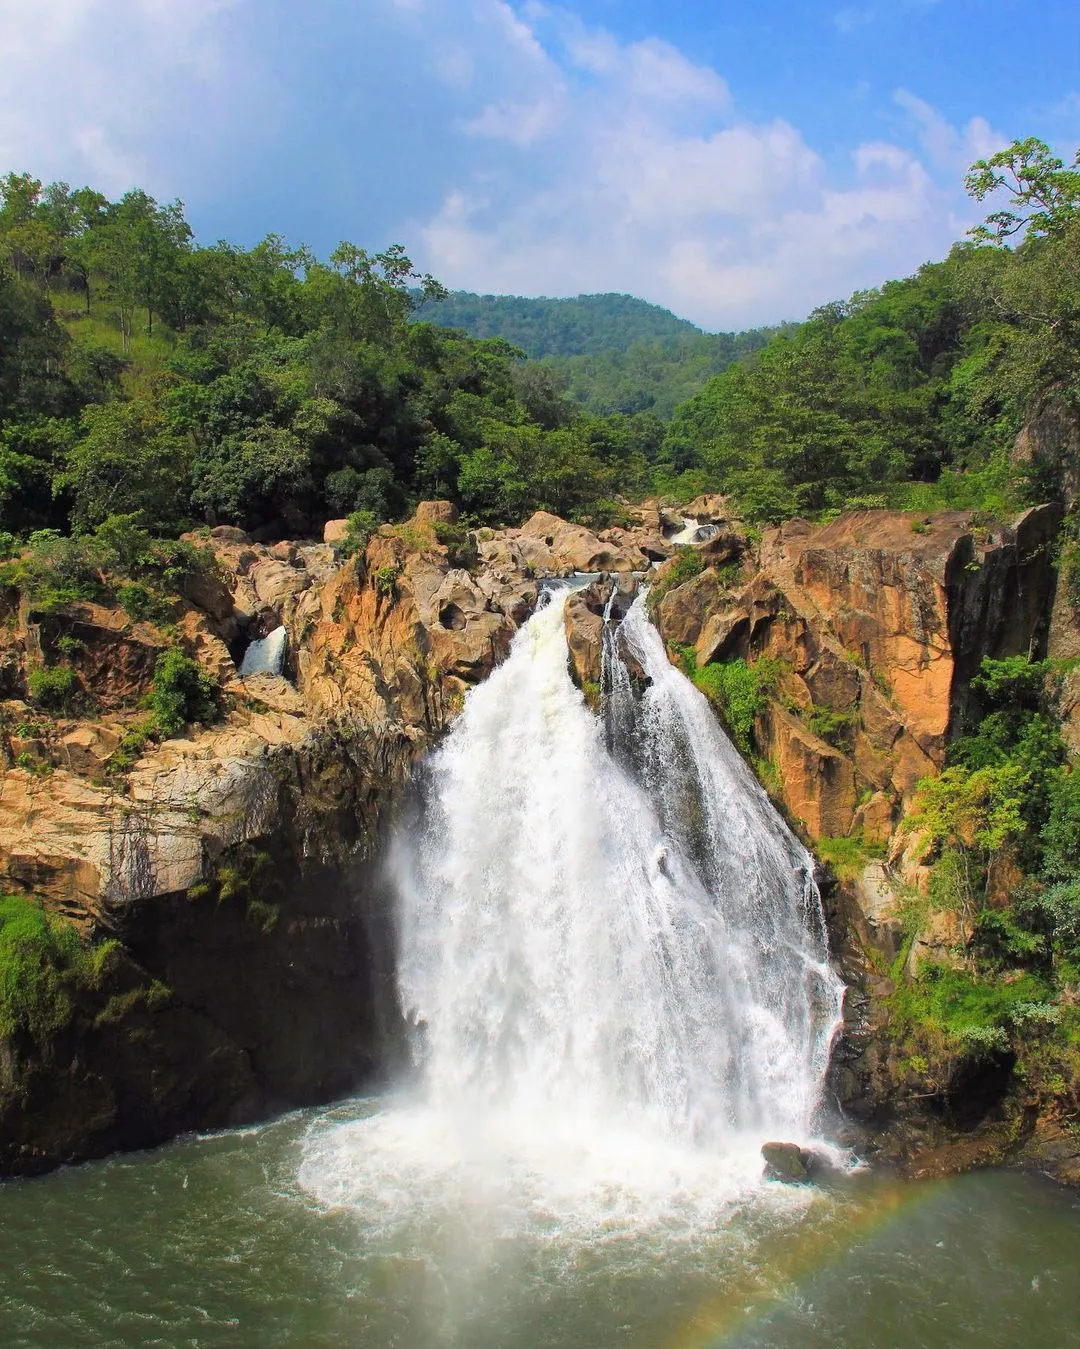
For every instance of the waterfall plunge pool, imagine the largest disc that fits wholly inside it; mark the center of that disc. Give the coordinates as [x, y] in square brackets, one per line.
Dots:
[617, 955]
[215, 1241]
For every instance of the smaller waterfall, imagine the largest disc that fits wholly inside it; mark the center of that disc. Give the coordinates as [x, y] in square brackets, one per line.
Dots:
[266, 655]
[693, 532]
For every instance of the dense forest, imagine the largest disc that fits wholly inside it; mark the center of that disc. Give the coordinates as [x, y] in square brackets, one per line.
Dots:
[910, 395]
[586, 325]
[148, 378]
[144, 377]
[610, 353]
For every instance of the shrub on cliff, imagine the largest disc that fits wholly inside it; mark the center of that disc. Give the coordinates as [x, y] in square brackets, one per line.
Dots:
[52, 688]
[1004, 820]
[684, 565]
[44, 962]
[737, 690]
[361, 526]
[181, 692]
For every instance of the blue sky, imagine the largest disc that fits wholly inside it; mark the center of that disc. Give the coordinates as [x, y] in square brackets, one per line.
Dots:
[738, 163]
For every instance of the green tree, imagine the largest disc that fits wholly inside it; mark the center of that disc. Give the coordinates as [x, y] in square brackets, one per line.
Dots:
[125, 462]
[1043, 194]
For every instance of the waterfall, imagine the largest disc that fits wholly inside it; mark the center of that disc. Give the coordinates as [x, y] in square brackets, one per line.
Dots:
[693, 532]
[611, 948]
[648, 946]
[266, 655]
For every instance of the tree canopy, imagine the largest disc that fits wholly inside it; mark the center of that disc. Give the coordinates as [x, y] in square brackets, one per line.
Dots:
[145, 375]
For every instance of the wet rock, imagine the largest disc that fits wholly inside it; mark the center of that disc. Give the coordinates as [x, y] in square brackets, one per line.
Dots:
[786, 1161]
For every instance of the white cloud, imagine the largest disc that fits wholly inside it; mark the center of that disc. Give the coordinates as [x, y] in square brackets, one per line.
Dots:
[948, 147]
[510, 146]
[626, 167]
[84, 81]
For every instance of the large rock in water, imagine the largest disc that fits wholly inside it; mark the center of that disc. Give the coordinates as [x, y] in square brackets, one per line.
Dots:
[786, 1161]
[583, 619]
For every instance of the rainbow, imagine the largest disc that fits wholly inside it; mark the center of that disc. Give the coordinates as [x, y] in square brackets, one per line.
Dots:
[790, 1258]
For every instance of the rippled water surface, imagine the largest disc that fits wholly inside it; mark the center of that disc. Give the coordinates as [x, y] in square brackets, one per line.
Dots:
[235, 1239]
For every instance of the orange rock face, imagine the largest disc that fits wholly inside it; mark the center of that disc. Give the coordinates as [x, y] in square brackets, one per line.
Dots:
[876, 619]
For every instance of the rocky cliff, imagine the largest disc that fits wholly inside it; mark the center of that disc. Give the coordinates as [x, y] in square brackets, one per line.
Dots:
[232, 869]
[226, 880]
[863, 635]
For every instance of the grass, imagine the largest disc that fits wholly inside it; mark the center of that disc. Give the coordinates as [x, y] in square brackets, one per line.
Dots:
[101, 329]
[964, 1009]
[848, 856]
[44, 963]
[139, 602]
[684, 565]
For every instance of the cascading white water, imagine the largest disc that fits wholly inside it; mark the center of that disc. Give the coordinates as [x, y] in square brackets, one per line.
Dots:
[266, 655]
[760, 880]
[693, 532]
[572, 937]
[617, 974]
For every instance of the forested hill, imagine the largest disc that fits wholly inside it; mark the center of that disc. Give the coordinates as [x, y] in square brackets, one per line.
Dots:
[582, 326]
[610, 353]
[149, 380]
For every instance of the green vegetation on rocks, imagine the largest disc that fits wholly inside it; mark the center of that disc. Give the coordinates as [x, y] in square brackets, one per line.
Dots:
[738, 690]
[181, 692]
[1007, 805]
[682, 567]
[44, 965]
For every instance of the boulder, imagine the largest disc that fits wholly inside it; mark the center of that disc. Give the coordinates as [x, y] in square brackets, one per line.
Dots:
[334, 531]
[709, 507]
[584, 624]
[436, 513]
[684, 610]
[207, 589]
[553, 546]
[786, 1161]
[275, 582]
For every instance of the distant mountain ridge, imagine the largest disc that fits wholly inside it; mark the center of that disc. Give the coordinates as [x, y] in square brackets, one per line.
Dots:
[612, 353]
[584, 325]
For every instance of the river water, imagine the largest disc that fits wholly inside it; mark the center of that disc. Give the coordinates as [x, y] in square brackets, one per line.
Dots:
[613, 961]
[216, 1241]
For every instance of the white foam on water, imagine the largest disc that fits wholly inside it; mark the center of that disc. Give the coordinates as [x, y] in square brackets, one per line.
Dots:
[614, 961]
